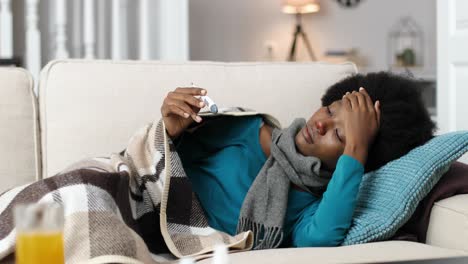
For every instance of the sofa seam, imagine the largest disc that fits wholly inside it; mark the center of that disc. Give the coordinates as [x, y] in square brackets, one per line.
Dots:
[197, 63]
[43, 80]
[37, 148]
[451, 209]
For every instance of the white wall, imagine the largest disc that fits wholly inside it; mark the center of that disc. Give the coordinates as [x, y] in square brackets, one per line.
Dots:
[226, 30]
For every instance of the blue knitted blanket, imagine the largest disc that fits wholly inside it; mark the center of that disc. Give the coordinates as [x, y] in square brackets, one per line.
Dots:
[389, 196]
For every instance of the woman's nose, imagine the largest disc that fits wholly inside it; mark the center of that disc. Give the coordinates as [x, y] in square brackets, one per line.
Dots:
[321, 127]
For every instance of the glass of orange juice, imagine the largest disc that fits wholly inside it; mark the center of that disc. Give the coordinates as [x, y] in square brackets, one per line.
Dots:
[39, 233]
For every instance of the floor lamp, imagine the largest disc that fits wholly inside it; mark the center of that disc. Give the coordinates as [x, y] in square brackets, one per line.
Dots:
[299, 7]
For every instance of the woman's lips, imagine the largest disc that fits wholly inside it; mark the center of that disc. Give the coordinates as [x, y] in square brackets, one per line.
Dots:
[307, 134]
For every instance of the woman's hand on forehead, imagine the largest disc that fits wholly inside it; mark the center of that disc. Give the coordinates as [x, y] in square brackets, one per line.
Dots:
[361, 119]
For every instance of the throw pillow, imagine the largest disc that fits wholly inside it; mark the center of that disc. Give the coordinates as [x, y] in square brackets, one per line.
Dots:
[388, 196]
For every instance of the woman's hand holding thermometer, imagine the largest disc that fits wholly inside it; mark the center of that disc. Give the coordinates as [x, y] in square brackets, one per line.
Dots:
[180, 108]
[209, 102]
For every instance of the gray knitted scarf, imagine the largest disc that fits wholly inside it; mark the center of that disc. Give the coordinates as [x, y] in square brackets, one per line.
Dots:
[264, 207]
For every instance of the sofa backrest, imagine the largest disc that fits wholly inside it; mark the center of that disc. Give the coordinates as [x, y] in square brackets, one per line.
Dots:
[19, 146]
[91, 108]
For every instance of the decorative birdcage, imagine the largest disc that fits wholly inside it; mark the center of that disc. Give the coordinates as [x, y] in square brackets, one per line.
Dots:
[405, 47]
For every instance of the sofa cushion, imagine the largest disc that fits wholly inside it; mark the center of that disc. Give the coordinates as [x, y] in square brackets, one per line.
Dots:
[366, 253]
[91, 108]
[388, 197]
[19, 152]
[448, 226]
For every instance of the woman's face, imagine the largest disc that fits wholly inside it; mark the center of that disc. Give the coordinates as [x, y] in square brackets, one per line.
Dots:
[323, 136]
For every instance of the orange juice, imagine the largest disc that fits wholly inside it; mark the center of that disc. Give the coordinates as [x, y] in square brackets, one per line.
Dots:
[39, 247]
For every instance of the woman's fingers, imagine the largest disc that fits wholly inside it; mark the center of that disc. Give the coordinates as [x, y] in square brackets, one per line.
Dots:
[182, 102]
[171, 103]
[191, 90]
[377, 111]
[369, 104]
[168, 110]
[174, 109]
[353, 100]
[372, 107]
[188, 98]
[182, 109]
[346, 102]
[361, 100]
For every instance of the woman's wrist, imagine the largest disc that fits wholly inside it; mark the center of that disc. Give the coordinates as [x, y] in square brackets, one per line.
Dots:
[357, 152]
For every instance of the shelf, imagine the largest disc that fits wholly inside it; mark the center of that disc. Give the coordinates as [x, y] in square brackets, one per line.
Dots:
[418, 72]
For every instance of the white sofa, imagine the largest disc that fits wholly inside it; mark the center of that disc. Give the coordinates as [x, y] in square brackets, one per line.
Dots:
[78, 97]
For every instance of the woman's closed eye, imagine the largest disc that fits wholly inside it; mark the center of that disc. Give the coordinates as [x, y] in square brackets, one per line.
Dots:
[336, 129]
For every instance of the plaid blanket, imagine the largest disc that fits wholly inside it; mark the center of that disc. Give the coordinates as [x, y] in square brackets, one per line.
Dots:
[113, 205]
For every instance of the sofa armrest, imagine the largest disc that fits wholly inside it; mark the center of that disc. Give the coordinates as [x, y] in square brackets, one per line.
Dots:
[448, 224]
[19, 134]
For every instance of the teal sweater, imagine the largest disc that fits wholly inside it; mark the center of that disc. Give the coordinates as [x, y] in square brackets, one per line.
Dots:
[222, 159]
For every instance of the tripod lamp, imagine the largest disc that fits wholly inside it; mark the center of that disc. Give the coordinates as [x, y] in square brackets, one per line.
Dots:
[299, 7]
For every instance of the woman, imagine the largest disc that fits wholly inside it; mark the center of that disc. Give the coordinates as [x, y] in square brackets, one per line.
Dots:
[246, 174]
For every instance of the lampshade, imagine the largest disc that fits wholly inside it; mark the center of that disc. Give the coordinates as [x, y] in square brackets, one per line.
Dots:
[300, 6]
